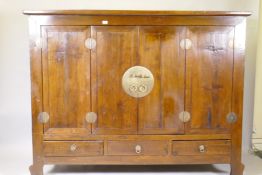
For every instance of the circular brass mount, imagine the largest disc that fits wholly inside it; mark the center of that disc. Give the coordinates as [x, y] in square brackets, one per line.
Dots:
[138, 81]
[91, 117]
[43, 117]
[184, 116]
[186, 44]
[231, 117]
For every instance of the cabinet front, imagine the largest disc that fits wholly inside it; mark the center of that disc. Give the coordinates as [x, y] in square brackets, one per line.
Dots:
[137, 80]
[66, 79]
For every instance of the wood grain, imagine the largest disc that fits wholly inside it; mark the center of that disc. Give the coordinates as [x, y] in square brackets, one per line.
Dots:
[66, 77]
[237, 167]
[189, 148]
[87, 148]
[36, 98]
[138, 160]
[127, 148]
[69, 80]
[146, 20]
[160, 52]
[209, 79]
[136, 12]
[63, 135]
[115, 52]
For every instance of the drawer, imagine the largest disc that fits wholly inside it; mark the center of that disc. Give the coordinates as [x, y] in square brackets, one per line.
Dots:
[73, 148]
[152, 148]
[213, 147]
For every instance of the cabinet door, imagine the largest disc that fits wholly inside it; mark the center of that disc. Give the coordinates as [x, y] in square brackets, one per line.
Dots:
[115, 52]
[160, 52]
[66, 79]
[209, 70]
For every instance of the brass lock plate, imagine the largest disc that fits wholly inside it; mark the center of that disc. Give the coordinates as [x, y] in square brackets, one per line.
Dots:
[138, 81]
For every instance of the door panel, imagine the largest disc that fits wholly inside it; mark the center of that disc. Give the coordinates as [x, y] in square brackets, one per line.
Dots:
[209, 67]
[159, 51]
[115, 52]
[66, 79]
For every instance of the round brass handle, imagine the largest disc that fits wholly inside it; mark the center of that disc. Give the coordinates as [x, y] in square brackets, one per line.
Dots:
[73, 147]
[202, 149]
[138, 149]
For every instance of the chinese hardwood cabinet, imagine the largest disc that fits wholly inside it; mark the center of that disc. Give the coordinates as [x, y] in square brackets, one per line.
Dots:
[137, 87]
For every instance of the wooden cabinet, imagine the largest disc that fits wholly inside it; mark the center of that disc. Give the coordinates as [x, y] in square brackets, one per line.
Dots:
[137, 87]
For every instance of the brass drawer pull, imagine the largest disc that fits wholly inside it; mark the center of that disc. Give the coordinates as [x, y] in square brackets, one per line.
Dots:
[138, 149]
[202, 149]
[73, 147]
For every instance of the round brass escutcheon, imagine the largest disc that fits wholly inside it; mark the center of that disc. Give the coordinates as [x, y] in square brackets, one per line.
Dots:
[138, 81]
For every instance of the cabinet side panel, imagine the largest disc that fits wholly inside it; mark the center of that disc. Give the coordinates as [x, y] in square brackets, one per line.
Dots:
[237, 98]
[36, 94]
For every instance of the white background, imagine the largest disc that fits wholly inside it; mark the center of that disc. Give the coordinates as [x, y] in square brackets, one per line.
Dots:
[15, 115]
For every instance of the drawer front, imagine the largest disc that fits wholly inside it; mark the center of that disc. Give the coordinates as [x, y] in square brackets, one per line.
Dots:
[152, 148]
[214, 147]
[71, 148]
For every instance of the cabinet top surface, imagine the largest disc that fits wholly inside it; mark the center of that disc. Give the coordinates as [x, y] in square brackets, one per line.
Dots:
[136, 12]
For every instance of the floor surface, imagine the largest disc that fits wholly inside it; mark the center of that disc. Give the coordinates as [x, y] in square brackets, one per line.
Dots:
[15, 160]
